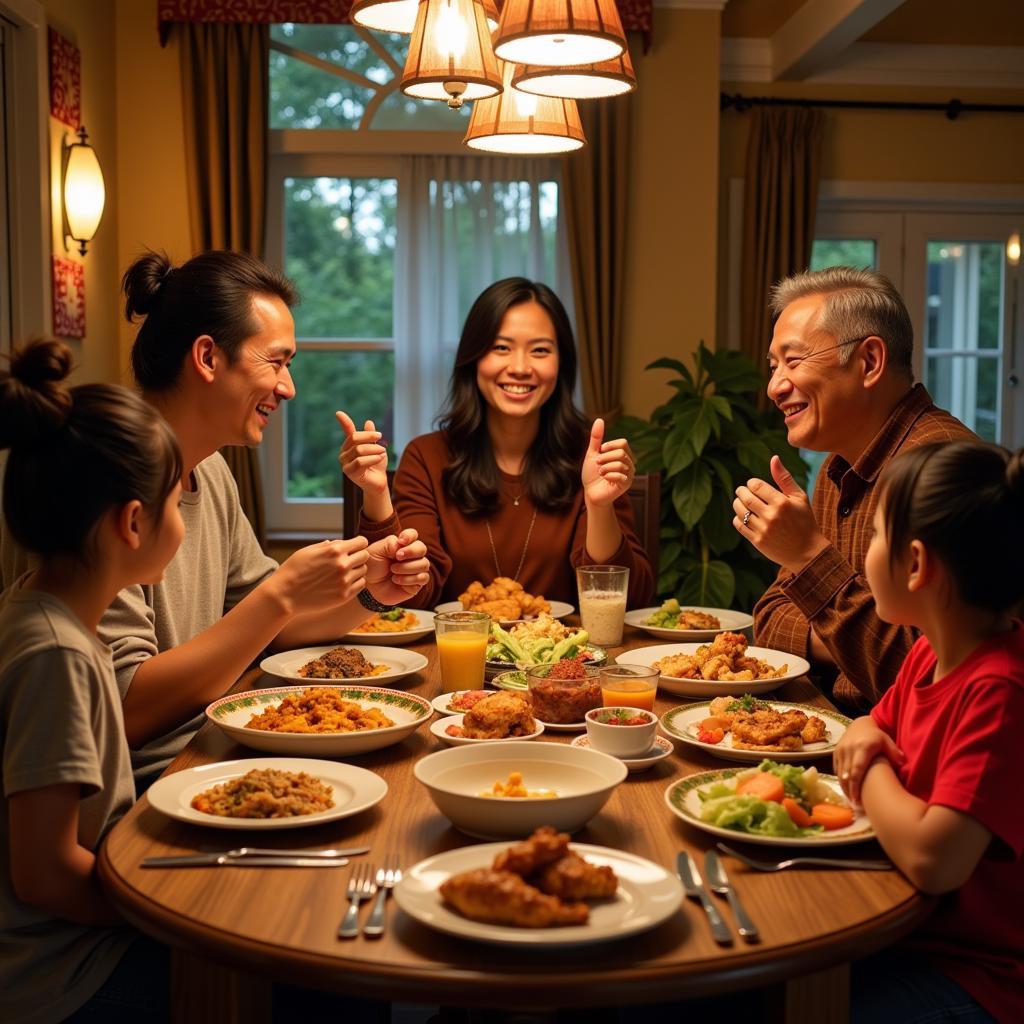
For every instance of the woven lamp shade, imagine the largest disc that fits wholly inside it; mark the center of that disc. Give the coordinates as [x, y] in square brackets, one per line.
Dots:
[385, 15]
[559, 33]
[450, 53]
[516, 122]
[585, 82]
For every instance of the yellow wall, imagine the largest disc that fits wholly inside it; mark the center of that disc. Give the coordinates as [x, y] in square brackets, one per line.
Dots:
[91, 28]
[673, 214]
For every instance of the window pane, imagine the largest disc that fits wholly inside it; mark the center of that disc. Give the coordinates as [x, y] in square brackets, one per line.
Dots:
[843, 252]
[360, 383]
[965, 291]
[340, 252]
[303, 96]
[968, 386]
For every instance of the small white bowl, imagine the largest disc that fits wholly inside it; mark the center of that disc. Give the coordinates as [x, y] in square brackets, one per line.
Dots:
[626, 741]
[455, 778]
[439, 727]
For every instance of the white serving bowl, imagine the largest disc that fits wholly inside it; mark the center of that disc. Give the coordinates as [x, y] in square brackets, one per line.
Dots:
[624, 741]
[455, 778]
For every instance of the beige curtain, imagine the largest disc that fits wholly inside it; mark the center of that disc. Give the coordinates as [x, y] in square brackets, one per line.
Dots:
[779, 199]
[224, 70]
[596, 187]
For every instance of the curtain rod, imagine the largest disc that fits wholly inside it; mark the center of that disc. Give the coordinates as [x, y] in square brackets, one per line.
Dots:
[952, 109]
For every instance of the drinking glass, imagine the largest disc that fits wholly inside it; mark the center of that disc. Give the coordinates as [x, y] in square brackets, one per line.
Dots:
[629, 686]
[602, 590]
[462, 649]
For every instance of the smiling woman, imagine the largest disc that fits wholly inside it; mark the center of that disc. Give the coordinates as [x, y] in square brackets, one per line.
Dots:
[511, 485]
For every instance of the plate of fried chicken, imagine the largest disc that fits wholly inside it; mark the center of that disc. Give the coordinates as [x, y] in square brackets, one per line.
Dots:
[541, 891]
[748, 729]
[707, 670]
[505, 600]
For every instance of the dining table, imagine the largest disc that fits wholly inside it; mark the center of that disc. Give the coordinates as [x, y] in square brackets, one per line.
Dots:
[234, 931]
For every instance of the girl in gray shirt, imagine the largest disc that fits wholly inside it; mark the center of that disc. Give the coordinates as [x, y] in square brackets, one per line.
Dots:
[91, 489]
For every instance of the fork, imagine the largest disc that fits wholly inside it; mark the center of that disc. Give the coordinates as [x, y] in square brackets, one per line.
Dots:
[387, 878]
[360, 887]
[824, 862]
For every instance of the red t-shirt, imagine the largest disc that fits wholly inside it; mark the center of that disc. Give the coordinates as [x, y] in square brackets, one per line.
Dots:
[964, 736]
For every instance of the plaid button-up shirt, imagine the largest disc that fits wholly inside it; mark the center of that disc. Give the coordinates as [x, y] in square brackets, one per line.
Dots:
[830, 594]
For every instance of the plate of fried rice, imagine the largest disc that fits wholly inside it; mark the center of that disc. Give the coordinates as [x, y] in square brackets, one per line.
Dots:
[346, 662]
[393, 628]
[320, 720]
[266, 793]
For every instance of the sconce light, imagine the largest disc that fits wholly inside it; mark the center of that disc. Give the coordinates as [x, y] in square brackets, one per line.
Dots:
[82, 191]
[1013, 249]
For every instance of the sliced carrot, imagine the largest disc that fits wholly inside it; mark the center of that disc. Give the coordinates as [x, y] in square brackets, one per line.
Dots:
[763, 785]
[799, 816]
[831, 816]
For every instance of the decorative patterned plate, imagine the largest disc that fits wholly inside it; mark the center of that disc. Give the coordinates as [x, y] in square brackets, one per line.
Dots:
[682, 723]
[682, 799]
[406, 710]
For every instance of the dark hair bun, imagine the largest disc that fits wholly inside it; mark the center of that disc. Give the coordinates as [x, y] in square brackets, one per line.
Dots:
[33, 401]
[142, 283]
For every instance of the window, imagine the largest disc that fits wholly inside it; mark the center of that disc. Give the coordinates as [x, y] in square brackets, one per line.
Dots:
[389, 231]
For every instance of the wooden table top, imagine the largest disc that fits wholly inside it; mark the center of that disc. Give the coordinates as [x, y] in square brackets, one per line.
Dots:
[283, 923]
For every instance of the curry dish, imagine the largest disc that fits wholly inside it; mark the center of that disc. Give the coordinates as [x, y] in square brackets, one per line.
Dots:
[318, 709]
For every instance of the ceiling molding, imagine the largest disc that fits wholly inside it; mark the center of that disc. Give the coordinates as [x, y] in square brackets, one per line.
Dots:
[817, 33]
[999, 67]
[692, 5]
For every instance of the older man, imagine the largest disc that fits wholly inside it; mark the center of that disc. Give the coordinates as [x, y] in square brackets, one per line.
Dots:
[841, 374]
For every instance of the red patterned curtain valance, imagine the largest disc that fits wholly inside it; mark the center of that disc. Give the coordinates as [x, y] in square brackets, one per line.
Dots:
[636, 14]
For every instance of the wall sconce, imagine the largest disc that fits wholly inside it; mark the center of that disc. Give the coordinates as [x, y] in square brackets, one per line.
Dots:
[1013, 249]
[82, 191]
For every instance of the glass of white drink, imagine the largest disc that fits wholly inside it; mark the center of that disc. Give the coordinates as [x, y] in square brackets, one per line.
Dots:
[602, 590]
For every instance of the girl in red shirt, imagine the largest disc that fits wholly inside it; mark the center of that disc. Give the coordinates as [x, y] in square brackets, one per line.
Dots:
[936, 765]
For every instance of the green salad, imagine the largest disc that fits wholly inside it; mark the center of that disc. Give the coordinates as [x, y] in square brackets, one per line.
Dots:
[667, 616]
[541, 650]
[750, 812]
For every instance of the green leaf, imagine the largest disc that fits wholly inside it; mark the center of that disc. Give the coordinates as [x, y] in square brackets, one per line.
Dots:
[691, 493]
[755, 456]
[677, 452]
[724, 475]
[670, 552]
[671, 364]
[722, 406]
[705, 421]
[711, 585]
[716, 524]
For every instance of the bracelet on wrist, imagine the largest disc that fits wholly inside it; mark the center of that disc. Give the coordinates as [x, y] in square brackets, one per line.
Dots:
[370, 603]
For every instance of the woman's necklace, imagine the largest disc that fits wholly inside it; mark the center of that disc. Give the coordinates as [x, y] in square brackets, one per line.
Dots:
[529, 534]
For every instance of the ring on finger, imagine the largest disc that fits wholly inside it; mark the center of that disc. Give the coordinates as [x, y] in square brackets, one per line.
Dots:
[746, 517]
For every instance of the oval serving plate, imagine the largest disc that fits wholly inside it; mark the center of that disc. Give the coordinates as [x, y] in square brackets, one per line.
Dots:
[286, 664]
[729, 620]
[682, 724]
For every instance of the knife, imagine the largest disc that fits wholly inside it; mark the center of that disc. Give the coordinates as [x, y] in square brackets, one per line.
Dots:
[251, 854]
[690, 877]
[226, 860]
[719, 882]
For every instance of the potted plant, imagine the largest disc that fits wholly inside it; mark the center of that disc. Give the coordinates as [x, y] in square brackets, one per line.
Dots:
[708, 438]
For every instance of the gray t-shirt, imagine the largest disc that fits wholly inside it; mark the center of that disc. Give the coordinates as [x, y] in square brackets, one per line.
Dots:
[60, 722]
[218, 563]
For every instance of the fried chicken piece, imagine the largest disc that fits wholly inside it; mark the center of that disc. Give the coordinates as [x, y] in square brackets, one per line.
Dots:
[678, 666]
[573, 878]
[689, 618]
[501, 897]
[545, 846]
[814, 731]
[768, 730]
[499, 716]
[500, 610]
[716, 667]
[732, 645]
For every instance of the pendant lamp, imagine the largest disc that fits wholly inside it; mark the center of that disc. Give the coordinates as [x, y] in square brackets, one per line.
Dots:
[585, 82]
[516, 122]
[450, 54]
[400, 15]
[559, 33]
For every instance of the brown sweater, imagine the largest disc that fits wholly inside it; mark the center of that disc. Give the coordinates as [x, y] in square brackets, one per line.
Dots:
[460, 550]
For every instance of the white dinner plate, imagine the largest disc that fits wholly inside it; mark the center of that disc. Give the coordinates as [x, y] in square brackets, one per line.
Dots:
[647, 896]
[439, 725]
[683, 724]
[713, 687]
[407, 710]
[730, 621]
[354, 790]
[681, 797]
[559, 610]
[400, 664]
[661, 749]
[399, 637]
[514, 680]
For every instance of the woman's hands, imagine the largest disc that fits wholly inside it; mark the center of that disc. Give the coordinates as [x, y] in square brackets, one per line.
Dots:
[363, 459]
[397, 567]
[608, 468]
[860, 745]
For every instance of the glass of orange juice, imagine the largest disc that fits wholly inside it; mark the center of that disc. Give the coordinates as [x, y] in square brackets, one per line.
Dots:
[629, 686]
[462, 649]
